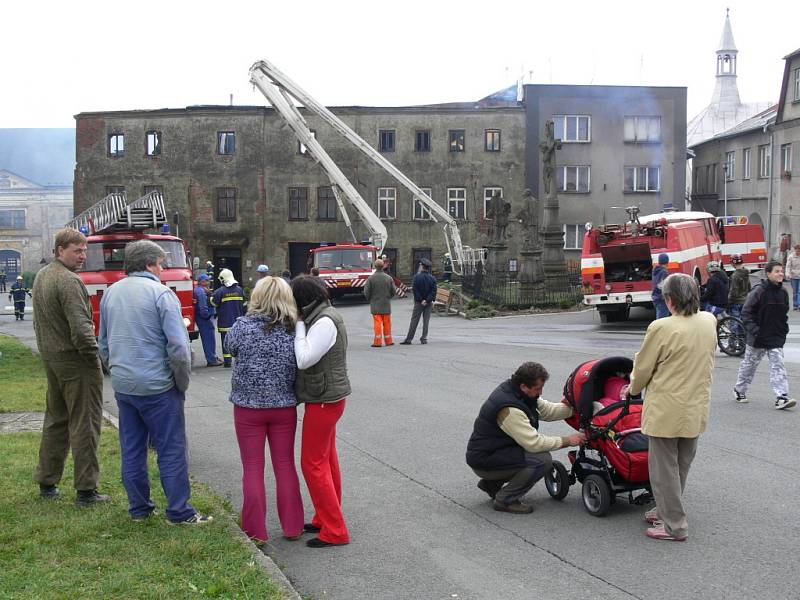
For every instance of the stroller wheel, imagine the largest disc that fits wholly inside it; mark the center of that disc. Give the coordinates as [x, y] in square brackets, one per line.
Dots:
[556, 480]
[596, 495]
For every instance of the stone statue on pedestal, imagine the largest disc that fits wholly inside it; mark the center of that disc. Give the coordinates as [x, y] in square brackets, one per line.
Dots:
[528, 216]
[498, 212]
[548, 149]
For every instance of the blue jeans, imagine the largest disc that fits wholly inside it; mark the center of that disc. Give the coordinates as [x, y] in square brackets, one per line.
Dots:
[159, 417]
[795, 293]
[735, 310]
[661, 309]
[209, 339]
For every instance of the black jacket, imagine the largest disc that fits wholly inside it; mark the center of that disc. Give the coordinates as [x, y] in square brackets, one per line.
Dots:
[424, 287]
[716, 290]
[489, 447]
[766, 316]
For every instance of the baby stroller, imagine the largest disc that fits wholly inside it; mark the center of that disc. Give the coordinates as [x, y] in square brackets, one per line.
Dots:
[614, 459]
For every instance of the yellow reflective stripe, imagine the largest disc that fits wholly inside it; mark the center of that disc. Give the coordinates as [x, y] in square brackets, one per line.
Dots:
[224, 328]
[229, 298]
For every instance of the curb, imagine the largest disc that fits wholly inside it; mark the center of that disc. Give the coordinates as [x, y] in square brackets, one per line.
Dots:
[259, 557]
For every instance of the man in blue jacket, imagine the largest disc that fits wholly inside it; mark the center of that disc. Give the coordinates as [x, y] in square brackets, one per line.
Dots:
[659, 275]
[204, 317]
[424, 287]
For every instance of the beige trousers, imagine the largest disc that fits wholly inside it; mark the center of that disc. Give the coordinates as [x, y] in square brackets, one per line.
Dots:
[669, 460]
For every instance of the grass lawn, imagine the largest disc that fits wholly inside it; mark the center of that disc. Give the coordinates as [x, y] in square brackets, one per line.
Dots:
[54, 550]
[22, 380]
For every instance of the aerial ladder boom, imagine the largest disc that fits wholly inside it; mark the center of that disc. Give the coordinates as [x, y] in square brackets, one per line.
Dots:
[279, 90]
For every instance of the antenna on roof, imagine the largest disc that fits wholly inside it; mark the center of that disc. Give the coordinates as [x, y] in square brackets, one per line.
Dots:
[231, 99]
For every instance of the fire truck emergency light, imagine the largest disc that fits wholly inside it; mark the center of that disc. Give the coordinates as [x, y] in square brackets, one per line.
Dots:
[84, 229]
[165, 228]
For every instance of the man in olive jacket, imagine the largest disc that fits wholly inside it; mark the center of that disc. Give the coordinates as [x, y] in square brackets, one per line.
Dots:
[65, 335]
[379, 291]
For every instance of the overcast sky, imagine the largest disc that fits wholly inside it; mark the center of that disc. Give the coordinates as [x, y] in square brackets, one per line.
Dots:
[62, 58]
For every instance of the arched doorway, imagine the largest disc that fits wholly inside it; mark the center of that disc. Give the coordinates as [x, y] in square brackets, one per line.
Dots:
[11, 263]
[755, 219]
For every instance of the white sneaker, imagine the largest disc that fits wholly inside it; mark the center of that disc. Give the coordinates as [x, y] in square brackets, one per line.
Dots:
[782, 402]
[739, 397]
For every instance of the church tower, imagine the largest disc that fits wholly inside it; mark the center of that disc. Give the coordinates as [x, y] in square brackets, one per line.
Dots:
[726, 93]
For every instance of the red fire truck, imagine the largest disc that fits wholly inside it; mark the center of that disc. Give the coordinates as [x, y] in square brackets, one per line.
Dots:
[343, 268]
[617, 260]
[112, 223]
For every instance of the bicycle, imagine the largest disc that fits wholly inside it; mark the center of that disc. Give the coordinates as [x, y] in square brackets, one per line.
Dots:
[730, 335]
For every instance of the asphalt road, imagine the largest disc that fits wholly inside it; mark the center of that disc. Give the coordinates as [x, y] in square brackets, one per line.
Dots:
[421, 529]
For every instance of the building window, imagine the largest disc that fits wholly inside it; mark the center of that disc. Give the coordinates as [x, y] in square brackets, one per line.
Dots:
[422, 212]
[746, 159]
[12, 219]
[298, 203]
[5, 181]
[387, 203]
[386, 140]
[797, 85]
[422, 140]
[764, 161]
[147, 189]
[492, 140]
[226, 204]
[457, 203]
[152, 143]
[573, 179]
[488, 194]
[786, 158]
[226, 142]
[457, 140]
[730, 166]
[116, 144]
[115, 189]
[301, 147]
[326, 204]
[642, 179]
[573, 128]
[573, 237]
[642, 129]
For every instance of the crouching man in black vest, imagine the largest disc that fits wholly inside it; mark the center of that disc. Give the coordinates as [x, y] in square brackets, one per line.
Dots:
[506, 449]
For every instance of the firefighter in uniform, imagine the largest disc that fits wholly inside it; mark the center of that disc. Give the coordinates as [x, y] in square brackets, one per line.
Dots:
[204, 317]
[228, 300]
[2, 281]
[17, 292]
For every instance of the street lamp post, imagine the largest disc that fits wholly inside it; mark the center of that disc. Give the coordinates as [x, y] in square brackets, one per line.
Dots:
[725, 188]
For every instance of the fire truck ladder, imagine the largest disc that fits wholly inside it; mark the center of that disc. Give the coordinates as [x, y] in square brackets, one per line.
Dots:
[114, 213]
[280, 90]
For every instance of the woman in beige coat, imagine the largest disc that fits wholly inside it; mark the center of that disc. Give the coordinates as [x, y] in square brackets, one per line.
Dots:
[674, 365]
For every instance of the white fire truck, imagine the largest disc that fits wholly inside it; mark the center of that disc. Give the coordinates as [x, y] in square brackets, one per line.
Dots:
[281, 93]
[112, 223]
[618, 259]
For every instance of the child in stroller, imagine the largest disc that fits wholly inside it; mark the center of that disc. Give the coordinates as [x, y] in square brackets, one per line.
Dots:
[614, 458]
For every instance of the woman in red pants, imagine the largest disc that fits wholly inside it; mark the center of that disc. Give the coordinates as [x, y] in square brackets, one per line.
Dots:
[265, 405]
[320, 348]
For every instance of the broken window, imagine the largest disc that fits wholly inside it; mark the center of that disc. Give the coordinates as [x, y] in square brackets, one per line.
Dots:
[492, 140]
[457, 140]
[226, 142]
[152, 141]
[301, 147]
[116, 144]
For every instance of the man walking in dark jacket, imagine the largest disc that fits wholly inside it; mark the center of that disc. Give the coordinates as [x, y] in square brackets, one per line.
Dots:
[766, 323]
[424, 287]
[659, 275]
[506, 449]
[714, 297]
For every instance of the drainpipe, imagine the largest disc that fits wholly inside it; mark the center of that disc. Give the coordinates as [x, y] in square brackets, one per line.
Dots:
[769, 197]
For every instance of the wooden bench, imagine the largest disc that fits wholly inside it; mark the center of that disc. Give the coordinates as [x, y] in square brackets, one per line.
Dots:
[447, 302]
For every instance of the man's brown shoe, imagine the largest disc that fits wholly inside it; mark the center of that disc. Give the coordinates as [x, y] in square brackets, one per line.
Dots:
[516, 507]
